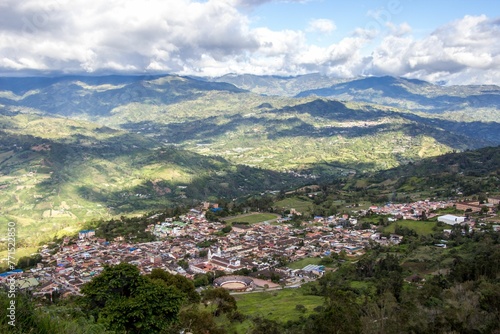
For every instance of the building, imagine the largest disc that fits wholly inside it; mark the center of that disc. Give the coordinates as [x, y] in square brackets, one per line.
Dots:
[471, 206]
[86, 234]
[451, 219]
[4, 277]
[495, 200]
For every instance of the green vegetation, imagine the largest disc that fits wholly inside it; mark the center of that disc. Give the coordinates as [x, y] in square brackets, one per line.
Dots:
[420, 227]
[382, 292]
[450, 175]
[124, 301]
[57, 175]
[301, 204]
[304, 262]
[61, 319]
[278, 305]
[115, 157]
[252, 218]
[118, 151]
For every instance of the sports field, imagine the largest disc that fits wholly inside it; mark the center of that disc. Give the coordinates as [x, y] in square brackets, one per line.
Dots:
[252, 218]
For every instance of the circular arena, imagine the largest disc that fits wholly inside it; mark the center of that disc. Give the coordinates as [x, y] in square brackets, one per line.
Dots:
[234, 283]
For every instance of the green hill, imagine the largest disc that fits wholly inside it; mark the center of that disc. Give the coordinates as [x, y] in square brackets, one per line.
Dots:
[450, 175]
[57, 173]
[75, 148]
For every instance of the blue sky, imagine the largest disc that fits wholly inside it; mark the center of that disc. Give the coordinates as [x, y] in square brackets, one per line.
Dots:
[423, 16]
[441, 40]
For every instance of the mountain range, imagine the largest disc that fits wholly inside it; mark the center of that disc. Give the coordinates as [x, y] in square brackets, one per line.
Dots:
[74, 148]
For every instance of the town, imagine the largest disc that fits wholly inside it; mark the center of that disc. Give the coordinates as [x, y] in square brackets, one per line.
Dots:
[192, 246]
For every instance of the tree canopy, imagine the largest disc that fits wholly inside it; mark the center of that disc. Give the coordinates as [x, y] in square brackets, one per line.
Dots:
[125, 301]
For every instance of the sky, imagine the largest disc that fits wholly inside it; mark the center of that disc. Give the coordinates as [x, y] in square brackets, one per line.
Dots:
[453, 42]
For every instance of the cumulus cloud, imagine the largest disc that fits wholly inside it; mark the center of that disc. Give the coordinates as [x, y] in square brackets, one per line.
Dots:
[214, 37]
[94, 36]
[463, 51]
[181, 36]
[323, 26]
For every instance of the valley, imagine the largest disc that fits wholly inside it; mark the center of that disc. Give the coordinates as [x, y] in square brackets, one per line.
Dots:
[201, 179]
[78, 148]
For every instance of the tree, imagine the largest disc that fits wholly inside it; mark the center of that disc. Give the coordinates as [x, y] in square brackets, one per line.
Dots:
[201, 280]
[29, 261]
[227, 229]
[220, 297]
[125, 301]
[196, 321]
[340, 315]
[203, 253]
[183, 264]
[183, 284]
[301, 308]
[266, 326]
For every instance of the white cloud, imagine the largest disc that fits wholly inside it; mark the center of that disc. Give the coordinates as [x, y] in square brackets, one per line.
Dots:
[399, 30]
[214, 37]
[121, 34]
[323, 26]
[461, 52]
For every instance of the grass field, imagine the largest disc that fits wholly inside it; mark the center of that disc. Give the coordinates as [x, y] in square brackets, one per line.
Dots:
[277, 305]
[304, 262]
[421, 227]
[301, 205]
[252, 218]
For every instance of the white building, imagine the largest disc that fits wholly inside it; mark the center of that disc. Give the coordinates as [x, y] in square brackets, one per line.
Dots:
[451, 219]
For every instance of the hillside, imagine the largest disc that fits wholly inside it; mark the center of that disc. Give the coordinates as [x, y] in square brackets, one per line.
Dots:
[77, 147]
[56, 173]
[459, 103]
[272, 132]
[417, 95]
[278, 85]
[459, 175]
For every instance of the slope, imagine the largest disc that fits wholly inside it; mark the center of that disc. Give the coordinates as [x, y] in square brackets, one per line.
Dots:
[415, 95]
[449, 175]
[306, 136]
[56, 173]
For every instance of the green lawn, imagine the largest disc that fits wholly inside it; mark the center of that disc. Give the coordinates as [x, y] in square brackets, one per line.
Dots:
[301, 205]
[279, 305]
[253, 218]
[421, 227]
[304, 262]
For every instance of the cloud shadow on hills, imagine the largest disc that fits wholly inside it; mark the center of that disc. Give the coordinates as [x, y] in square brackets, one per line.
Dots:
[486, 132]
[203, 130]
[70, 101]
[457, 135]
[66, 97]
[207, 128]
[334, 110]
[362, 90]
[212, 177]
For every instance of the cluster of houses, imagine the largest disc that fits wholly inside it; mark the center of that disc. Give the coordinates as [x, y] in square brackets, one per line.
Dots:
[476, 206]
[190, 245]
[412, 211]
[193, 239]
